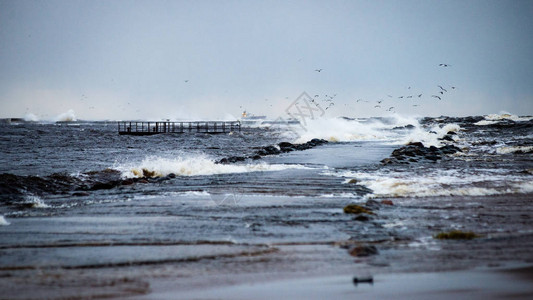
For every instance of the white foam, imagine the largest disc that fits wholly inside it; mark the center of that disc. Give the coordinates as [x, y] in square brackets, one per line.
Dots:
[438, 183]
[29, 117]
[35, 201]
[432, 136]
[495, 118]
[193, 166]
[513, 149]
[3, 221]
[68, 116]
[342, 130]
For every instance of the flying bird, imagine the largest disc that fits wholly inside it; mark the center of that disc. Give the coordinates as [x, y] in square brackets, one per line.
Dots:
[390, 108]
[444, 65]
[420, 95]
[442, 88]
[435, 96]
[318, 70]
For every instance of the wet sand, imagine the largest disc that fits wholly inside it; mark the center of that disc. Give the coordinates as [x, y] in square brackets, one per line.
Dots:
[499, 283]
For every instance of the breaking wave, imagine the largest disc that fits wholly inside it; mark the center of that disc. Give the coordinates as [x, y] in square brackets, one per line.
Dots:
[199, 165]
[503, 116]
[345, 130]
[68, 116]
[438, 183]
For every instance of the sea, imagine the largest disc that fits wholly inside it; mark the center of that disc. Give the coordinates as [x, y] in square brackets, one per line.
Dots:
[88, 213]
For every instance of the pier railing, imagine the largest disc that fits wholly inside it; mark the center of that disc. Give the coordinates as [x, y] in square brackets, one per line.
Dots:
[149, 128]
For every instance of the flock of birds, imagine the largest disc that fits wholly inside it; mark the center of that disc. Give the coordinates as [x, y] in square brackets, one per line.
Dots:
[327, 100]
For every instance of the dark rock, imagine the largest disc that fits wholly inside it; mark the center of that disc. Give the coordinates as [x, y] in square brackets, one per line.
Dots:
[128, 181]
[447, 138]
[286, 147]
[362, 218]
[171, 175]
[357, 209]
[271, 150]
[362, 251]
[387, 202]
[417, 144]
[358, 280]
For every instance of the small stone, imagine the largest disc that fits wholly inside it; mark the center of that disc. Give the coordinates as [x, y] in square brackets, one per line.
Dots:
[357, 280]
[362, 251]
[356, 209]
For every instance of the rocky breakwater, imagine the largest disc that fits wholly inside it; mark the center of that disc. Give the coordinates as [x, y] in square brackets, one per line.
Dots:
[415, 152]
[282, 147]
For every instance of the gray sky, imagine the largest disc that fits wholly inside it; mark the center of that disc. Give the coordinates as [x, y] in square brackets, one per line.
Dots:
[212, 59]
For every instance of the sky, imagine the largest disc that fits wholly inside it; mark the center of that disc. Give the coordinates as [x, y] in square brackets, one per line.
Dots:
[120, 60]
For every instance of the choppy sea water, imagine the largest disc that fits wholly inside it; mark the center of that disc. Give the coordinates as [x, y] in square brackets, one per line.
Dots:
[82, 206]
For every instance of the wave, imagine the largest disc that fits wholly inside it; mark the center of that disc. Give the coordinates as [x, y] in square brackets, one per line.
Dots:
[199, 165]
[503, 116]
[514, 149]
[34, 202]
[68, 116]
[346, 130]
[438, 183]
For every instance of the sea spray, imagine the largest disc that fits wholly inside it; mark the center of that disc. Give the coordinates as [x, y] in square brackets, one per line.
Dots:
[3, 221]
[68, 116]
[346, 130]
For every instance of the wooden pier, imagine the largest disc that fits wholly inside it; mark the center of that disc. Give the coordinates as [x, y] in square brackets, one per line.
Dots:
[149, 128]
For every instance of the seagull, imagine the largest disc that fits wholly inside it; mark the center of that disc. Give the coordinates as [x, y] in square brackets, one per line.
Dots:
[359, 100]
[380, 101]
[435, 96]
[390, 108]
[186, 80]
[318, 70]
[401, 97]
[442, 88]
[409, 97]
[377, 106]
[420, 95]
[444, 65]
